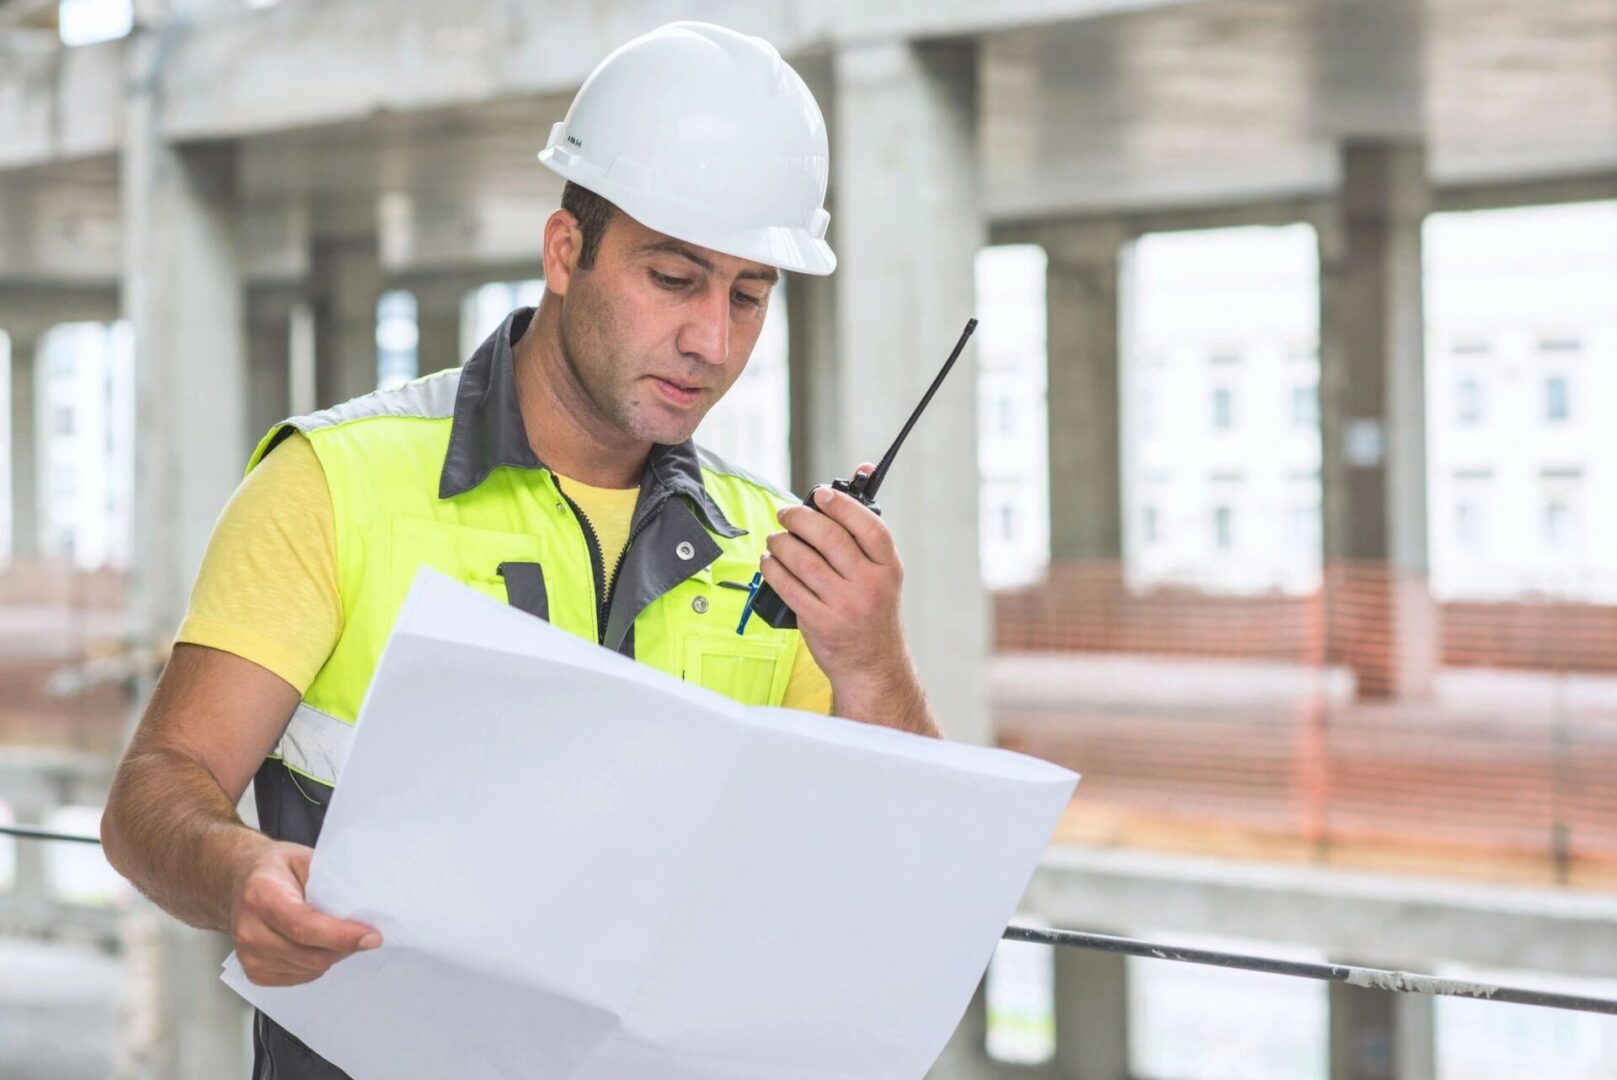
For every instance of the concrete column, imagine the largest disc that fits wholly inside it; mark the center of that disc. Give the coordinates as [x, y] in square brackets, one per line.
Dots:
[30, 892]
[908, 226]
[1086, 489]
[1373, 422]
[966, 1057]
[1092, 1015]
[183, 293]
[347, 285]
[438, 310]
[811, 329]
[1377, 1035]
[24, 454]
[269, 346]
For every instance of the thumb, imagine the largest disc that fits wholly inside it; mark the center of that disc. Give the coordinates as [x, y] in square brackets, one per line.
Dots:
[297, 861]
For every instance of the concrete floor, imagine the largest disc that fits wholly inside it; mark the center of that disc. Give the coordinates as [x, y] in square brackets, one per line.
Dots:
[58, 1011]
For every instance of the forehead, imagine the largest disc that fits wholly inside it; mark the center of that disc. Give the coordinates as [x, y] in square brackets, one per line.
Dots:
[635, 240]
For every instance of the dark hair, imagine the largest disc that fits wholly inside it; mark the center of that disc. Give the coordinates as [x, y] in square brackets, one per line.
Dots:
[593, 214]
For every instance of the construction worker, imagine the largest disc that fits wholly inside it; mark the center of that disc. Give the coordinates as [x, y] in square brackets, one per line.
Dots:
[554, 471]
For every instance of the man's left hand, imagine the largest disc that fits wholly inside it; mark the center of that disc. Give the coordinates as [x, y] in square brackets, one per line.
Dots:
[840, 572]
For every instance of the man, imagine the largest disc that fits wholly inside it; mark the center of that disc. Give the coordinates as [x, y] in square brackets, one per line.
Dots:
[553, 471]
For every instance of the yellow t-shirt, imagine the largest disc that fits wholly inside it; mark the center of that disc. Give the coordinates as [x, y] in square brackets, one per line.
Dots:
[267, 590]
[610, 512]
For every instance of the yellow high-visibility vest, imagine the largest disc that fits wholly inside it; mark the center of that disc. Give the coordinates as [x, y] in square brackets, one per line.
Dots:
[439, 472]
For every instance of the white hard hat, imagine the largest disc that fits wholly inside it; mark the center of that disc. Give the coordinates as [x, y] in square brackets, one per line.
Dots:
[706, 135]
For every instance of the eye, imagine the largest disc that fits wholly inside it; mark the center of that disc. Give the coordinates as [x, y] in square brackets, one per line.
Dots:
[748, 299]
[668, 282]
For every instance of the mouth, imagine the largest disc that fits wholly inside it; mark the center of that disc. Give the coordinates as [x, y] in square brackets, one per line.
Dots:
[676, 392]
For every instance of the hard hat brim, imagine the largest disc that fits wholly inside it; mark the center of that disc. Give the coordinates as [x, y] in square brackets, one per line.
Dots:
[795, 250]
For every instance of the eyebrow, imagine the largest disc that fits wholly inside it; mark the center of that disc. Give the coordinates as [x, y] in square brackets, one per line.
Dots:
[684, 251]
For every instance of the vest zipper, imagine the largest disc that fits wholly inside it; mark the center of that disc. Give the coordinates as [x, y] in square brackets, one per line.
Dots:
[617, 571]
[603, 591]
[597, 566]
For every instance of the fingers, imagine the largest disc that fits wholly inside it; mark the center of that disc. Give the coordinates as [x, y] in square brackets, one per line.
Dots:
[311, 928]
[269, 958]
[875, 539]
[281, 904]
[869, 535]
[798, 596]
[805, 563]
[280, 938]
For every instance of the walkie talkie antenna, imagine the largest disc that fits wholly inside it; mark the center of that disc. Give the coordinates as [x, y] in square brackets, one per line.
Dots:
[880, 472]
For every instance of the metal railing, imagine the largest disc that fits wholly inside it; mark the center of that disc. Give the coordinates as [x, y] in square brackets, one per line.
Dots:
[1402, 982]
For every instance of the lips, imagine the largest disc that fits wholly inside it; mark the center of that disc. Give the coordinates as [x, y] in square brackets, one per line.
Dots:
[676, 392]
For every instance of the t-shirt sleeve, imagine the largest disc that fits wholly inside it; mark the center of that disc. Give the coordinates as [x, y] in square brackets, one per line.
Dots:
[267, 590]
[807, 687]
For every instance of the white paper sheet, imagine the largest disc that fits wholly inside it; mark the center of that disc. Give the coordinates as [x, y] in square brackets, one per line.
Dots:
[585, 869]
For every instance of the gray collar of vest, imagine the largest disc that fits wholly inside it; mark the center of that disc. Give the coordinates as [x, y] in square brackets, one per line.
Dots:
[488, 432]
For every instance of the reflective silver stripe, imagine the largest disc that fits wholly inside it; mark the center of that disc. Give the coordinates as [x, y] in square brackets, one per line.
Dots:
[431, 397]
[713, 462]
[315, 744]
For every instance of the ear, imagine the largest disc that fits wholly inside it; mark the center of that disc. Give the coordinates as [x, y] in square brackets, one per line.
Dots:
[563, 243]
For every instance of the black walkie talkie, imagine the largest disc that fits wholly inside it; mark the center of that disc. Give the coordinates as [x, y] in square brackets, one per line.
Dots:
[764, 600]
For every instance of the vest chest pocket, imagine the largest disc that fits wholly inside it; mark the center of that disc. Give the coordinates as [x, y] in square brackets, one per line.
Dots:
[752, 669]
[470, 555]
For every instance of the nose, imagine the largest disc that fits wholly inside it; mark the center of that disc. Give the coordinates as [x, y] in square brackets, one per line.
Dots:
[706, 333]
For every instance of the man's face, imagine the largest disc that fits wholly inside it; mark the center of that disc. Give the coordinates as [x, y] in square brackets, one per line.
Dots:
[658, 330]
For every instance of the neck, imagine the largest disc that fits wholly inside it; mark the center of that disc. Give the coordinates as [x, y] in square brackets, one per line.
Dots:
[566, 429]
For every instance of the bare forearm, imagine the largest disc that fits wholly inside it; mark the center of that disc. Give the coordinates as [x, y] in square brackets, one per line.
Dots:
[891, 698]
[173, 832]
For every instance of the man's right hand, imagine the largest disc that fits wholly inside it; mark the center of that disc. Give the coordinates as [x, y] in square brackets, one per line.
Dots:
[280, 939]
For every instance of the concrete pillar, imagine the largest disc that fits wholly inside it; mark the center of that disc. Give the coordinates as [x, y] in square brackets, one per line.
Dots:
[184, 296]
[24, 453]
[966, 1057]
[303, 391]
[438, 307]
[1086, 489]
[1381, 620]
[347, 285]
[811, 329]
[1378, 1035]
[30, 891]
[1092, 1015]
[269, 348]
[908, 224]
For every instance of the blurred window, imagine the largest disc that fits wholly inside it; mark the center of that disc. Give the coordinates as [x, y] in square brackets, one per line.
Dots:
[1305, 407]
[1558, 524]
[1557, 398]
[1468, 525]
[397, 336]
[85, 22]
[1013, 415]
[1468, 400]
[1150, 524]
[1007, 415]
[1223, 527]
[1223, 408]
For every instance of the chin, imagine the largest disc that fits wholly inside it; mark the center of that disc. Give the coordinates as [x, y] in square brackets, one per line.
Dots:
[665, 430]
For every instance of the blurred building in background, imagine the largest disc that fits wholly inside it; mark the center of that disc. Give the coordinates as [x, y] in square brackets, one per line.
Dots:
[1283, 505]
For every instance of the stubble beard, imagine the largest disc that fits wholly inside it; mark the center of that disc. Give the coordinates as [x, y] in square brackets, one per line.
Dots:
[605, 380]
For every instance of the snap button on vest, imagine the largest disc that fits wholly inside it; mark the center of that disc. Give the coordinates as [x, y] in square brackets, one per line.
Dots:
[685, 550]
[699, 605]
